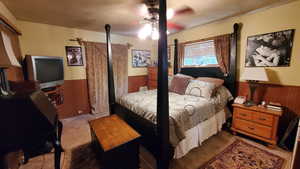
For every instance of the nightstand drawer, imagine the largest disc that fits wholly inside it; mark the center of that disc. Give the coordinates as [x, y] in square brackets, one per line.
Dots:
[243, 114]
[253, 128]
[263, 118]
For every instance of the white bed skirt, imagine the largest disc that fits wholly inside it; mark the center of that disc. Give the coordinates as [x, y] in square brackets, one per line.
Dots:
[196, 135]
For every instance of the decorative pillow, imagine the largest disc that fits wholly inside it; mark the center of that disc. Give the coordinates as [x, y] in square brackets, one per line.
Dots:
[200, 89]
[179, 84]
[218, 82]
[183, 75]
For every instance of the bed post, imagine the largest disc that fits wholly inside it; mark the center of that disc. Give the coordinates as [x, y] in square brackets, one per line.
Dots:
[233, 58]
[175, 56]
[162, 91]
[110, 73]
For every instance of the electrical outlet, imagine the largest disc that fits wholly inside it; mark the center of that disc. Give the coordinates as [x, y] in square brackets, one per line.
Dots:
[80, 111]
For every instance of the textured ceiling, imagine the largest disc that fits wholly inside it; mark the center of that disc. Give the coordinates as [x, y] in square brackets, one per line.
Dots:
[125, 15]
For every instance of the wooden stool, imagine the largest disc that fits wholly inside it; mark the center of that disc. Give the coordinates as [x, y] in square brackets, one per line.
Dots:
[117, 143]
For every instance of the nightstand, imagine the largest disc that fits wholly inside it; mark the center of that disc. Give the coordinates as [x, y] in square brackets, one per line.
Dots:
[257, 122]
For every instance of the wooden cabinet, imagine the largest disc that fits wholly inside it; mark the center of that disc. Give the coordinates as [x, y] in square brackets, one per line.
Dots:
[257, 122]
[152, 77]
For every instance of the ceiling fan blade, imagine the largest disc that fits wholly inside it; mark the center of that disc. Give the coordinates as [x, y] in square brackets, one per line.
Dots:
[175, 26]
[184, 10]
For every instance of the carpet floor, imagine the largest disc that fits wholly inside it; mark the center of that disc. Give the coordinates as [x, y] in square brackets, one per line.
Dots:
[79, 154]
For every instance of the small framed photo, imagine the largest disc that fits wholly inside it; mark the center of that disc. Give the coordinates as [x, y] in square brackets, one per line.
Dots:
[140, 58]
[74, 56]
[270, 49]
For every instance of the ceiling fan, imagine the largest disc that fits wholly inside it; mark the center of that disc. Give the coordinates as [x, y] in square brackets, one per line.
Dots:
[151, 10]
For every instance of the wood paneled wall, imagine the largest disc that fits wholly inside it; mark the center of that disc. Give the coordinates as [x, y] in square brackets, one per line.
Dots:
[135, 82]
[288, 96]
[75, 98]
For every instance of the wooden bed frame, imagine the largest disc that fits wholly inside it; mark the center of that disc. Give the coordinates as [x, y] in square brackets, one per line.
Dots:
[155, 138]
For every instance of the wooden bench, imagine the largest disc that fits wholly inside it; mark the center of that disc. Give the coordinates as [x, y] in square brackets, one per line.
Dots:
[117, 143]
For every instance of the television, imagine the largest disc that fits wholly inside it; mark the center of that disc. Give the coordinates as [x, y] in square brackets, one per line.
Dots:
[48, 71]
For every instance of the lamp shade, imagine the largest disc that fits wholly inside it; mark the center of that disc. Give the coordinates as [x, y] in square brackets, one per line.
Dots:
[7, 55]
[257, 74]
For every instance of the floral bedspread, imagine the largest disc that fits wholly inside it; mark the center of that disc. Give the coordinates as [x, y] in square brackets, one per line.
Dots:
[185, 111]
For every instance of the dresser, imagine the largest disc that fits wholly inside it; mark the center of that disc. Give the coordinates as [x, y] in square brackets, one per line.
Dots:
[152, 77]
[257, 122]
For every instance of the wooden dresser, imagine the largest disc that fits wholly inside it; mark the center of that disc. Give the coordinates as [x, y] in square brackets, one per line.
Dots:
[152, 77]
[257, 122]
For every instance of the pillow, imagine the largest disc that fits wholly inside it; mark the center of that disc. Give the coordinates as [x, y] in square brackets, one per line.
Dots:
[218, 82]
[183, 75]
[179, 84]
[200, 89]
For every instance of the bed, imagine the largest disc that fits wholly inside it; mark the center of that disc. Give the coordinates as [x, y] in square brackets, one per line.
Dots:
[192, 119]
[159, 134]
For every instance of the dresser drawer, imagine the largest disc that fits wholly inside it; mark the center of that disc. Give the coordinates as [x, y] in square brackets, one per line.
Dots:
[253, 128]
[263, 118]
[152, 73]
[243, 114]
[152, 84]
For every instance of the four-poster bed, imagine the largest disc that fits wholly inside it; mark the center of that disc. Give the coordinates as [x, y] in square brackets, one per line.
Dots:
[155, 136]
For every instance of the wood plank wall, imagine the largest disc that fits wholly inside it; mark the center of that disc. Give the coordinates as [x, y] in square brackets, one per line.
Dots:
[76, 100]
[286, 95]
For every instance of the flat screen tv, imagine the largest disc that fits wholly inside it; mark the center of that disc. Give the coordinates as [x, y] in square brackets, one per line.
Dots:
[48, 71]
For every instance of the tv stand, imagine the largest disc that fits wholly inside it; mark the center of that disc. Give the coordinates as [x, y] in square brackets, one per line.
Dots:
[55, 95]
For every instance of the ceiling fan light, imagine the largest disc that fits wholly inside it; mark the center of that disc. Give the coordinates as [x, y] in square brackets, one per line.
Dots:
[155, 34]
[145, 31]
[170, 13]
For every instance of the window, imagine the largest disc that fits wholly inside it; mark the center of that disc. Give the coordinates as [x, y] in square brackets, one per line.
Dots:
[200, 54]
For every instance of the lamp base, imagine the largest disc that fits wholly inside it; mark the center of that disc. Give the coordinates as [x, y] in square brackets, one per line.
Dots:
[249, 103]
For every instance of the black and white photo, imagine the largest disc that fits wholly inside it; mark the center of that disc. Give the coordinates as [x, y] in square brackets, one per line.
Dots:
[140, 58]
[74, 56]
[269, 50]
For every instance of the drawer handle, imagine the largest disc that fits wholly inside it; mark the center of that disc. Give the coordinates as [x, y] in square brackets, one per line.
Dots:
[251, 128]
[243, 114]
[263, 119]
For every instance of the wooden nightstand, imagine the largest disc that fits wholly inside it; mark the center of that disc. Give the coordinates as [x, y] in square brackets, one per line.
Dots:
[258, 122]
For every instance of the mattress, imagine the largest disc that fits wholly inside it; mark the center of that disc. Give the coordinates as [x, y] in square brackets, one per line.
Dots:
[185, 111]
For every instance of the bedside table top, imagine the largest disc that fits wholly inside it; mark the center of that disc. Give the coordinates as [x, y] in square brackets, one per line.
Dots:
[259, 109]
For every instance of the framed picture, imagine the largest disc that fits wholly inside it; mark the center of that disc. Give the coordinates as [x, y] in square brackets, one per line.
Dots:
[270, 49]
[140, 58]
[74, 56]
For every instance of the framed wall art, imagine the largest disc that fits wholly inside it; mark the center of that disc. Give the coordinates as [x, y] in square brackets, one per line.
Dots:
[74, 56]
[140, 58]
[270, 49]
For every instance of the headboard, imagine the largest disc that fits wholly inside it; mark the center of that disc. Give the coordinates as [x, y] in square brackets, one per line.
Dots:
[229, 79]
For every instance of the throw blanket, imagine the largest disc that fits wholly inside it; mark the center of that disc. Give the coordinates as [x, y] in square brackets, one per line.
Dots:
[185, 111]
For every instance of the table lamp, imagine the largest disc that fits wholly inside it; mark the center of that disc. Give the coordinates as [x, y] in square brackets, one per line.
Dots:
[7, 59]
[253, 76]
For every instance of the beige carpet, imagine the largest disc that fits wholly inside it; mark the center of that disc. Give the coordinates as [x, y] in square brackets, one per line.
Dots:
[80, 155]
